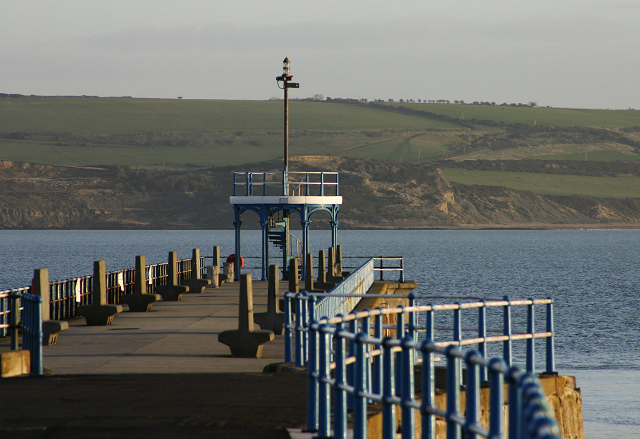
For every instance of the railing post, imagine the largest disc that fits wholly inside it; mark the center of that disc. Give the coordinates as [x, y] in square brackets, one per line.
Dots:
[497, 368]
[551, 364]
[299, 328]
[322, 184]
[308, 184]
[305, 326]
[457, 331]
[288, 336]
[324, 377]
[472, 420]
[413, 318]
[337, 184]
[264, 184]
[400, 332]
[246, 180]
[408, 389]
[377, 360]
[235, 182]
[482, 333]
[381, 268]
[401, 269]
[365, 328]
[515, 402]
[388, 392]
[351, 368]
[428, 391]
[312, 374]
[340, 392]
[531, 329]
[359, 388]
[454, 430]
[15, 319]
[506, 345]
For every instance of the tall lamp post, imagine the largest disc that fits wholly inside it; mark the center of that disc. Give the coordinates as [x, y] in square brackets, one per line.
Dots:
[286, 85]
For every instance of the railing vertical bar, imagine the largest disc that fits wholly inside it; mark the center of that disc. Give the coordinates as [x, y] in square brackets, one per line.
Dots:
[472, 395]
[506, 345]
[408, 389]
[482, 333]
[377, 360]
[454, 430]
[515, 402]
[551, 365]
[351, 368]
[312, 374]
[299, 335]
[531, 352]
[324, 391]
[340, 393]
[428, 391]
[497, 367]
[388, 393]
[400, 332]
[360, 384]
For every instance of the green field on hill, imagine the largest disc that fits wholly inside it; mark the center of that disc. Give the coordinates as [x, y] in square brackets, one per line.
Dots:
[183, 134]
[126, 116]
[534, 115]
[625, 186]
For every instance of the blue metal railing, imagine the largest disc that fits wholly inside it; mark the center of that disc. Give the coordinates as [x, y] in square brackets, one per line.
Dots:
[365, 370]
[20, 306]
[380, 369]
[32, 331]
[340, 300]
[285, 184]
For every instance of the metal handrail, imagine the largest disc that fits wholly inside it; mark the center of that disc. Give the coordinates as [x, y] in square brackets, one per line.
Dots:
[371, 360]
[251, 180]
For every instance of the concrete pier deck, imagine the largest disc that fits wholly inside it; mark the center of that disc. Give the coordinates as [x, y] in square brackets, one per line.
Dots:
[157, 374]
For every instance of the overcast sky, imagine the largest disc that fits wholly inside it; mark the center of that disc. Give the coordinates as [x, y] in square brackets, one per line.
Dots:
[562, 53]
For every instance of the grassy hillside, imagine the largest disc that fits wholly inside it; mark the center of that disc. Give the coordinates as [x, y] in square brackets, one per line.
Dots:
[624, 186]
[533, 115]
[183, 134]
[127, 116]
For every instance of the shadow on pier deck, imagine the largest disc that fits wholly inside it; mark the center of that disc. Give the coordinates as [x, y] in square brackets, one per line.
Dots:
[161, 374]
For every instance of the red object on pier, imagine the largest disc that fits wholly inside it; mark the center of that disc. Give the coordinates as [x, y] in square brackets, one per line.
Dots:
[232, 258]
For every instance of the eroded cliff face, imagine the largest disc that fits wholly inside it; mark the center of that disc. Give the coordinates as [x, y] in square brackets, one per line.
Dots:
[376, 194]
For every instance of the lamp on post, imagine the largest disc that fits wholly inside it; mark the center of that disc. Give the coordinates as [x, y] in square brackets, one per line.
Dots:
[286, 85]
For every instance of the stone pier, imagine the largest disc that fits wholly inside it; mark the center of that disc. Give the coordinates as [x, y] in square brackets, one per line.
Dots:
[140, 300]
[99, 313]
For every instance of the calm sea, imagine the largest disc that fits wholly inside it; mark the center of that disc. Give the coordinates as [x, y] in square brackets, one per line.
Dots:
[593, 276]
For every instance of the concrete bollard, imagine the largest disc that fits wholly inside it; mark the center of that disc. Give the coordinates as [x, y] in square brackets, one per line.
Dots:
[50, 328]
[213, 271]
[273, 319]
[228, 272]
[140, 301]
[322, 274]
[196, 284]
[172, 292]
[99, 313]
[308, 272]
[246, 342]
[331, 268]
[294, 282]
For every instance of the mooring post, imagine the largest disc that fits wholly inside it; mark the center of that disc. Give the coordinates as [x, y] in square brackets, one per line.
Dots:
[140, 300]
[245, 342]
[273, 319]
[50, 328]
[172, 292]
[294, 283]
[308, 274]
[99, 313]
[322, 274]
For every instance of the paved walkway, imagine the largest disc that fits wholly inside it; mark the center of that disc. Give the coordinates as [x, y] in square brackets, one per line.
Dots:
[161, 374]
[175, 337]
